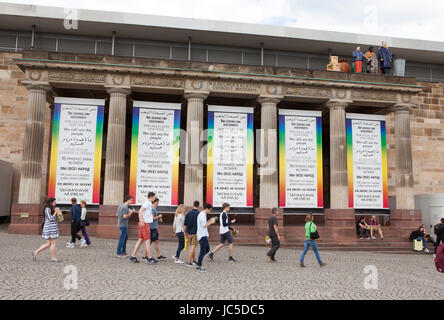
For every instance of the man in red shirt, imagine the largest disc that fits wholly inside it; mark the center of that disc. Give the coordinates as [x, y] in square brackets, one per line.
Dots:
[375, 226]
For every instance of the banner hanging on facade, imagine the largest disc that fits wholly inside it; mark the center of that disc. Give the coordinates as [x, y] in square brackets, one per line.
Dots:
[76, 150]
[155, 143]
[367, 161]
[230, 156]
[300, 159]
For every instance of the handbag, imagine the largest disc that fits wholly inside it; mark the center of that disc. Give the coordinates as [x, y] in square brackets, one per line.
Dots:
[86, 222]
[59, 218]
[418, 245]
[186, 244]
[314, 235]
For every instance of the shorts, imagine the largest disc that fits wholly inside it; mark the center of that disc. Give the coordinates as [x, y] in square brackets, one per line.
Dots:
[192, 239]
[227, 236]
[144, 231]
[154, 235]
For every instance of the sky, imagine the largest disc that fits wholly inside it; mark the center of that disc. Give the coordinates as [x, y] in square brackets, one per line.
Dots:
[392, 18]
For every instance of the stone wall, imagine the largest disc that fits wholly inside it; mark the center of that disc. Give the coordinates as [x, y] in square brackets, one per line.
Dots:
[13, 113]
[427, 128]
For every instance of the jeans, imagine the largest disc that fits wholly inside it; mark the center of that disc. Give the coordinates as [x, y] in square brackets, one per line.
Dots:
[307, 245]
[121, 247]
[75, 227]
[275, 244]
[204, 249]
[181, 238]
[85, 234]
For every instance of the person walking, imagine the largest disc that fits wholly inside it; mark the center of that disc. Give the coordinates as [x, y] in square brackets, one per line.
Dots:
[50, 230]
[84, 223]
[273, 233]
[76, 226]
[190, 230]
[203, 235]
[154, 231]
[225, 234]
[310, 228]
[178, 229]
[145, 218]
[123, 216]
[439, 231]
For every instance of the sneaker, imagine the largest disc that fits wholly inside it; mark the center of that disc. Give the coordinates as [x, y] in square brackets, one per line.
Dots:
[434, 255]
[161, 258]
[232, 260]
[194, 263]
[174, 258]
[426, 250]
[82, 243]
[178, 261]
[189, 264]
[269, 258]
[145, 259]
[361, 238]
[302, 265]
[373, 238]
[323, 264]
[134, 259]
[211, 256]
[56, 260]
[201, 269]
[70, 245]
[152, 261]
[382, 238]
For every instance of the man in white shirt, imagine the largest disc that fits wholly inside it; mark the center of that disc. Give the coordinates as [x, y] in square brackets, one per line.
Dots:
[225, 233]
[203, 235]
[145, 218]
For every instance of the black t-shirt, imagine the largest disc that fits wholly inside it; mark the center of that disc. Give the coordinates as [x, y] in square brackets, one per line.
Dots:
[272, 221]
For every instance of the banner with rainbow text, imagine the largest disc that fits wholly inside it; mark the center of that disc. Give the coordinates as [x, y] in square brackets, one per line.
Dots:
[367, 161]
[300, 159]
[230, 156]
[155, 144]
[76, 150]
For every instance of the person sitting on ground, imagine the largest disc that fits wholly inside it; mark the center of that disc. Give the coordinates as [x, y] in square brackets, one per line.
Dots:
[363, 229]
[420, 234]
[375, 226]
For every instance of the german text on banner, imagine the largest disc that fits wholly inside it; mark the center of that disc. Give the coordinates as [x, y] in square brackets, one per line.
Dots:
[155, 143]
[76, 150]
[300, 159]
[367, 161]
[230, 156]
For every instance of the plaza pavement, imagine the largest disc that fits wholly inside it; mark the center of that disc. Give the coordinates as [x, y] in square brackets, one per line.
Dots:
[103, 276]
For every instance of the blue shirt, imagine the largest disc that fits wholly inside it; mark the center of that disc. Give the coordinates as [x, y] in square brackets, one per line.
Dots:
[155, 223]
[76, 212]
[358, 56]
[191, 221]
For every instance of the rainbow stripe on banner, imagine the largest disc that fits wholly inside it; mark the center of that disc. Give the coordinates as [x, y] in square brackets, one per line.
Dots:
[60, 104]
[175, 152]
[249, 149]
[54, 151]
[350, 158]
[98, 155]
[210, 167]
[134, 153]
[283, 113]
[350, 163]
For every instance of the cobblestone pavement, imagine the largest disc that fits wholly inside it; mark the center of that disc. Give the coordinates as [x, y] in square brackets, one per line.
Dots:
[103, 276]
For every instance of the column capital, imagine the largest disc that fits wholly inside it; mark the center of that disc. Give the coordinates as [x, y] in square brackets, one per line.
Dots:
[334, 103]
[402, 107]
[122, 90]
[196, 94]
[37, 85]
[270, 99]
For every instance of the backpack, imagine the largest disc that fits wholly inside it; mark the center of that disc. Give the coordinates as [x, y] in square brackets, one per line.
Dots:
[439, 260]
[439, 230]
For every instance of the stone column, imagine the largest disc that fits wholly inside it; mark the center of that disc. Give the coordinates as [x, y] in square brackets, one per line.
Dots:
[405, 199]
[193, 186]
[31, 172]
[115, 147]
[339, 219]
[338, 155]
[268, 171]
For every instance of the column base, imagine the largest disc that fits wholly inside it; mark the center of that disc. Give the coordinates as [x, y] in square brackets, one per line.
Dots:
[107, 224]
[341, 224]
[26, 219]
[261, 223]
[405, 220]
